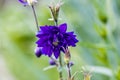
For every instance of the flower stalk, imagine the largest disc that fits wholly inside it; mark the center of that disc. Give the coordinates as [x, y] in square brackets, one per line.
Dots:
[60, 72]
[31, 3]
[67, 58]
[35, 17]
[60, 57]
[55, 12]
[69, 71]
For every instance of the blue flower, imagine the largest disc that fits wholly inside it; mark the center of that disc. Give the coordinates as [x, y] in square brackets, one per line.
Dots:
[54, 39]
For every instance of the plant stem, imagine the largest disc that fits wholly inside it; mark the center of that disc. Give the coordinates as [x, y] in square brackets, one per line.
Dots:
[56, 23]
[69, 71]
[60, 57]
[60, 72]
[55, 61]
[33, 9]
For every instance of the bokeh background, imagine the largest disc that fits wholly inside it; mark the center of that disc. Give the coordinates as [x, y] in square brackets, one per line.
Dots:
[95, 22]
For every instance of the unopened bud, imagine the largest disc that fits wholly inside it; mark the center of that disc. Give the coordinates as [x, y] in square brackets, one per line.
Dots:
[31, 2]
[28, 2]
[38, 51]
[52, 62]
[71, 63]
[67, 56]
[55, 10]
[87, 74]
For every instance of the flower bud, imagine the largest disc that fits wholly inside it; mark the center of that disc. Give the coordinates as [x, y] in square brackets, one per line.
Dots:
[38, 51]
[28, 2]
[67, 56]
[52, 62]
[55, 10]
[31, 2]
[87, 76]
[71, 63]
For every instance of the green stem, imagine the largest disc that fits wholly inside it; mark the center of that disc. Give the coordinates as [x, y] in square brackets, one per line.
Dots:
[56, 23]
[69, 71]
[60, 57]
[35, 16]
[60, 72]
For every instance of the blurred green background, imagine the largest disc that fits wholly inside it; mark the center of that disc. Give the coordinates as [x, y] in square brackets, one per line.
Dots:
[96, 23]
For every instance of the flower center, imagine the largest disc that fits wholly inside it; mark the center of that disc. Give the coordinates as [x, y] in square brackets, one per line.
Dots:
[55, 43]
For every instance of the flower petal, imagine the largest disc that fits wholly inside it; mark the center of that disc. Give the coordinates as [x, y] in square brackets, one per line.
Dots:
[70, 39]
[47, 50]
[56, 52]
[42, 42]
[63, 28]
[41, 35]
[44, 29]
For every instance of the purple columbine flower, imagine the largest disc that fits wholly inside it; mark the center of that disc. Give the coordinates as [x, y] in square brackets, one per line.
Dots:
[24, 2]
[54, 39]
[28, 2]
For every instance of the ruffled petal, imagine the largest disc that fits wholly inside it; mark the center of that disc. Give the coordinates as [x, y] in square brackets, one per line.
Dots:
[47, 50]
[45, 29]
[41, 35]
[63, 28]
[56, 52]
[70, 39]
[42, 42]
